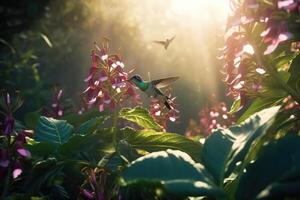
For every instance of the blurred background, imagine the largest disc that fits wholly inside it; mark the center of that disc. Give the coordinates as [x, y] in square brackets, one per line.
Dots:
[47, 43]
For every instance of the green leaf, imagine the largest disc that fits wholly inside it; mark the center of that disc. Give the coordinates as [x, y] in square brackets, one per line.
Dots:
[277, 161]
[261, 103]
[53, 130]
[91, 125]
[235, 106]
[151, 141]
[82, 144]
[174, 171]
[294, 80]
[77, 120]
[42, 149]
[215, 154]
[46, 39]
[139, 116]
[224, 148]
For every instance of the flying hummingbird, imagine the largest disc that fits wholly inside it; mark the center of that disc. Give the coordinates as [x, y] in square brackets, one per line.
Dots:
[152, 88]
[166, 42]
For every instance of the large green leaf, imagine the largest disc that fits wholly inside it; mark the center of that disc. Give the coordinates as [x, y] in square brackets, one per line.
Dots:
[91, 125]
[42, 149]
[83, 144]
[226, 147]
[175, 171]
[278, 161]
[151, 141]
[53, 130]
[139, 116]
[78, 119]
[216, 151]
[261, 103]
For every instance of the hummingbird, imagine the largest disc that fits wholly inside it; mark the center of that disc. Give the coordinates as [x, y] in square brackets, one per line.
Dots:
[166, 42]
[152, 88]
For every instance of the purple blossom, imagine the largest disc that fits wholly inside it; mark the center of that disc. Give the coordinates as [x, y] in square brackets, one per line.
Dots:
[24, 152]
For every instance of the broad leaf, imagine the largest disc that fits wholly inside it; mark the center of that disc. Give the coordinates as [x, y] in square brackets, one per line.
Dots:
[175, 171]
[76, 120]
[91, 125]
[42, 149]
[277, 161]
[151, 141]
[216, 151]
[226, 147]
[53, 130]
[261, 103]
[83, 144]
[139, 116]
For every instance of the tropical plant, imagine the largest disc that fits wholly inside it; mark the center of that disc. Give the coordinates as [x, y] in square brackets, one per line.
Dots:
[113, 147]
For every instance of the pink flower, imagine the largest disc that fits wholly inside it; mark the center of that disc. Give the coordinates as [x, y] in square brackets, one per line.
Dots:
[275, 34]
[161, 114]
[289, 5]
[107, 84]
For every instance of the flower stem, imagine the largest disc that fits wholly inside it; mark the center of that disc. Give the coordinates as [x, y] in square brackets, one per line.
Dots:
[114, 127]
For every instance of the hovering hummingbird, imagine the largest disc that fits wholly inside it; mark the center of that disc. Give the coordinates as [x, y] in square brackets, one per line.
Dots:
[152, 88]
[165, 43]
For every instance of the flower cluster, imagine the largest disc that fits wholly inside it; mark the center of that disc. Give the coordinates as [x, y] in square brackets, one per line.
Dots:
[161, 114]
[107, 81]
[211, 117]
[12, 150]
[256, 28]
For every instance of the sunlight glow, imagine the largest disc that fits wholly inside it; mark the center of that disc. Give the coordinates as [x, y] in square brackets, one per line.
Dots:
[201, 7]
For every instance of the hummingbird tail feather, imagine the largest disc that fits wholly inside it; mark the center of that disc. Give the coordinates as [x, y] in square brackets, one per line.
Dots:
[167, 104]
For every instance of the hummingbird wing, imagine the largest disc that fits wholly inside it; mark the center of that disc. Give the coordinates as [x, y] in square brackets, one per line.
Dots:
[160, 42]
[165, 82]
[172, 38]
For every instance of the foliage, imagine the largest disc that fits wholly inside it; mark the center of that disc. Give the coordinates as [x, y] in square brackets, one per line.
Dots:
[124, 152]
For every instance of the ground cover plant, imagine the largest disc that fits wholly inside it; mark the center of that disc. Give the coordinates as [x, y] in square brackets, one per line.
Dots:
[113, 146]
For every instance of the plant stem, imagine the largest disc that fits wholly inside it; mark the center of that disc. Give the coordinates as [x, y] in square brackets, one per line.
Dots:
[7, 182]
[114, 127]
